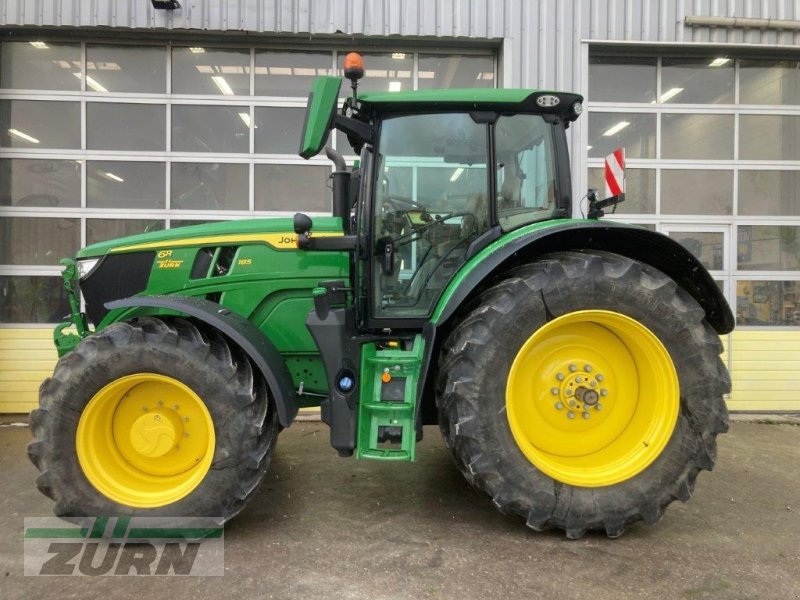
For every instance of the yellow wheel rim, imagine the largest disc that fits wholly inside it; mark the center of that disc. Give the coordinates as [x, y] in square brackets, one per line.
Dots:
[592, 398]
[145, 440]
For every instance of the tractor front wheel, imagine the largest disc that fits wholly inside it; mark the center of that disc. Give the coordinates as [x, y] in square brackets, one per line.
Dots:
[584, 392]
[153, 417]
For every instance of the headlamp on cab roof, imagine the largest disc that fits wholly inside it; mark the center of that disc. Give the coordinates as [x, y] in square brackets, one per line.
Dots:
[547, 101]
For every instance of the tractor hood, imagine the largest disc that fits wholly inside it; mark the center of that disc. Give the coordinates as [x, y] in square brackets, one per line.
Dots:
[281, 229]
[227, 262]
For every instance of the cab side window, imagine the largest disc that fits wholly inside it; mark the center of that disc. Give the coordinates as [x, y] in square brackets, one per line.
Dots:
[525, 170]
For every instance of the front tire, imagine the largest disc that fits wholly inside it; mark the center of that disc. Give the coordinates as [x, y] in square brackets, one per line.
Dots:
[153, 417]
[509, 411]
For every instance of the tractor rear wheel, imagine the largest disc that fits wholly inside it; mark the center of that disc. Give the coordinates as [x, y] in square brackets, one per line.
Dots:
[583, 392]
[153, 417]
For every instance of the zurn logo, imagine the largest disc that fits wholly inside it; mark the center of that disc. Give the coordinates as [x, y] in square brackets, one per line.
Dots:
[124, 546]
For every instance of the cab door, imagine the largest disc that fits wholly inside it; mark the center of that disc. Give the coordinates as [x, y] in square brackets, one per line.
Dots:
[430, 202]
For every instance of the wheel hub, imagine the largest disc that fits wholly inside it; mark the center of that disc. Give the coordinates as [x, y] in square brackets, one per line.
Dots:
[145, 440]
[575, 398]
[578, 391]
[153, 434]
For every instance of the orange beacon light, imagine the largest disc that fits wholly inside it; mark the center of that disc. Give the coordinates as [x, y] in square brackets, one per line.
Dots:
[353, 66]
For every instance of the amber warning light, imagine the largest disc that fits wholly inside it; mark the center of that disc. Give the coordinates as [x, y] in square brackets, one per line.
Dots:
[354, 70]
[353, 66]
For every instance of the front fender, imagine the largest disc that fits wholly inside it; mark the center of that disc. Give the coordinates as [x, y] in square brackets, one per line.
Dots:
[242, 332]
[528, 243]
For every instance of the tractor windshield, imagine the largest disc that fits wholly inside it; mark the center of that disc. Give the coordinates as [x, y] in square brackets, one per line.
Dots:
[432, 198]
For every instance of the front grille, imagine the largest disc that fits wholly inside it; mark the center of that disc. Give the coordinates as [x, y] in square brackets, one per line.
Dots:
[117, 276]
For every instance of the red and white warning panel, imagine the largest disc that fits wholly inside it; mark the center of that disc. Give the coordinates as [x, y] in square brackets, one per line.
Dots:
[615, 173]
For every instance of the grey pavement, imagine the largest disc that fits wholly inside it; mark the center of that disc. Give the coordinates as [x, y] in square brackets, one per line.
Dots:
[325, 527]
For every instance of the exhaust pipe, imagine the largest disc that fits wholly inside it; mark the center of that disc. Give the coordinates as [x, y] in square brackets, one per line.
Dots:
[341, 188]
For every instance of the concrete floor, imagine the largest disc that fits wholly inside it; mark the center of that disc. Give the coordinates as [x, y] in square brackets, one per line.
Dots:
[325, 527]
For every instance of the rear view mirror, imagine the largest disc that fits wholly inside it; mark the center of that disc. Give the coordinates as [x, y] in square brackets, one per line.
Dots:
[320, 114]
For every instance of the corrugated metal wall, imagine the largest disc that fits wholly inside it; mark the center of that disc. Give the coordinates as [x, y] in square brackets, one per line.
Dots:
[543, 36]
[658, 20]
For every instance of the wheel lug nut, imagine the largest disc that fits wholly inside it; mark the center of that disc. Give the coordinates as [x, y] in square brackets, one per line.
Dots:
[559, 406]
[579, 379]
[572, 403]
[586, 415]
[560, 376]
[598, 406]
[573, 368]
[570, 415]
[554, 391]
[593, 383]
[599, 377]
[569, 392]
[587, 368]
[604, 392]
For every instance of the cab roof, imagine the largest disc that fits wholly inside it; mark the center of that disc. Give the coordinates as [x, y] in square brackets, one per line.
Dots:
[517, 100]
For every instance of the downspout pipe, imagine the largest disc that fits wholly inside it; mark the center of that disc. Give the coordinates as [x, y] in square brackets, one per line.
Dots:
[740, 22]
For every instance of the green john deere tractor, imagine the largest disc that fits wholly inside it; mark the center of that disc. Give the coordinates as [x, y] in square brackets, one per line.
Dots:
[572, 364]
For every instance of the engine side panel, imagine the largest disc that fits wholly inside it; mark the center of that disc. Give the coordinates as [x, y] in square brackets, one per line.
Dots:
[261, 276]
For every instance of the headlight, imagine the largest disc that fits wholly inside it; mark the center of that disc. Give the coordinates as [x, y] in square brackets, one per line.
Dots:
[85, 266]
[577, 109]
[548, 101]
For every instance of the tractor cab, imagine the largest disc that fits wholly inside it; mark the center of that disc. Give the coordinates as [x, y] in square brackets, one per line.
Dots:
[436, 198]
[443, 173]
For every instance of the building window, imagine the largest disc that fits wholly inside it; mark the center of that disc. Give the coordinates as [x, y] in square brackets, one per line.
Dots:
[767, 302]
[622, 79]
[103, 140]
[139, 69]
[713, 151]
[38, 65]
[289, 73]
[209, 186]
[609, 131]
[32, 299]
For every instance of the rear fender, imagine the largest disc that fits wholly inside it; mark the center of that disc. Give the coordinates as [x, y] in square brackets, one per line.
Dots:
[527, 244]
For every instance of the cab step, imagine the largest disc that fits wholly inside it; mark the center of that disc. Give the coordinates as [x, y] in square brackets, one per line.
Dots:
[388, 400]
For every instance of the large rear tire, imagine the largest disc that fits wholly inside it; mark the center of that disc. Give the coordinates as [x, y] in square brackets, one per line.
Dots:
[583, 392]
[153, 417]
